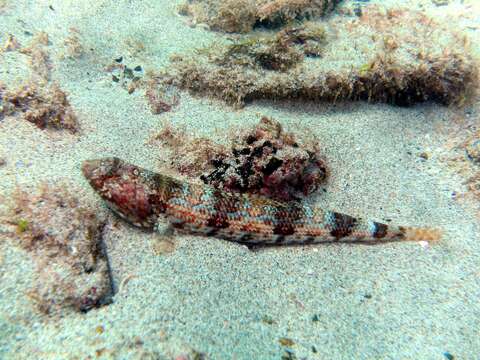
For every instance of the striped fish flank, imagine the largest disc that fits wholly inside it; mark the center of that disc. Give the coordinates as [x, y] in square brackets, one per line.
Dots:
[254, 220]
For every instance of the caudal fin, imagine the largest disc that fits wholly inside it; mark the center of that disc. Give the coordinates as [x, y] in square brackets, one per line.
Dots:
[421, 234]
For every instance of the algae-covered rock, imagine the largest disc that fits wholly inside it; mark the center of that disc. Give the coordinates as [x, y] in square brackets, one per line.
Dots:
[64, 238]
[243, 15]
[47, 107]
[267, 160]
[396, 56]
[264, 160]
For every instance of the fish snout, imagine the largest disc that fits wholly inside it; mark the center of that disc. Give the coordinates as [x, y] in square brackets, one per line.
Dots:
[101, 168]
[89, 167]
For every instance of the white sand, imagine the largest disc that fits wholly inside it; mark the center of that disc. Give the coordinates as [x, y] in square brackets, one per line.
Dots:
[397, 301]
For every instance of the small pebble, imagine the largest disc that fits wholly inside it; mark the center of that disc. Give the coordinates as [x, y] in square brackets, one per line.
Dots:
[99, 352]
[268, 320]
[424, 155]
[441, 2]
[423, 244]
[286, 342]
[182, 357]
[128, 72]
[119, 60]
[448, 355]
[288, 355]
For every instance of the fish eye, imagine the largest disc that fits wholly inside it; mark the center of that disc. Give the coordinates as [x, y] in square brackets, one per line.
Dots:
[115, 162]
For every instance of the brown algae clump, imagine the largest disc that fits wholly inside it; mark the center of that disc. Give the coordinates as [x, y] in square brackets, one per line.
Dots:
[46, 107]
[243, 15]
[39, 57]
[161, 96]
[472, 150]
[64, 238]
[73, 48]
[462, 155]
[468, 163]
[38, 100]
[399, 57]
[190, 156]
[278, 52]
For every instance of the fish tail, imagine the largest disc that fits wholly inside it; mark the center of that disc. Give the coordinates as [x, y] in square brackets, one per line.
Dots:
[421, 234]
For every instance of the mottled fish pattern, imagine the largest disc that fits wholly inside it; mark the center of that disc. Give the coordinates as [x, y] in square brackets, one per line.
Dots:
[143, 198]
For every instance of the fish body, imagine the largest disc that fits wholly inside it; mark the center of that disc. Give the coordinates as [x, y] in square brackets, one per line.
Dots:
[144, 198]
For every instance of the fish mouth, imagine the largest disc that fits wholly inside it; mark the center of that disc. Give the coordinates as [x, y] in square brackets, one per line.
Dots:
[100, 168]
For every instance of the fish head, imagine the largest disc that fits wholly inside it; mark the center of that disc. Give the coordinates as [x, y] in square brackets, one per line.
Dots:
[127, 189]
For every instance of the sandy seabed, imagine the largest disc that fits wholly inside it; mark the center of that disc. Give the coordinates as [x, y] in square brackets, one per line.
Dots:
[211, 297]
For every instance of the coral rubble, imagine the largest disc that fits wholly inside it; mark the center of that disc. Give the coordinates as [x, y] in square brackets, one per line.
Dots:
[243, 15]
[63, 237]
[160, 93]
[264, 160]
[396, 56]
[129, 78]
